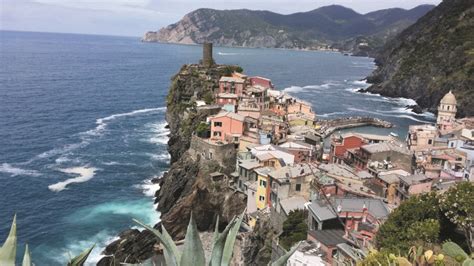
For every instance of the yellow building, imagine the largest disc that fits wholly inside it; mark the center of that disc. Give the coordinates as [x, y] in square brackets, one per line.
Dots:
[262, 196]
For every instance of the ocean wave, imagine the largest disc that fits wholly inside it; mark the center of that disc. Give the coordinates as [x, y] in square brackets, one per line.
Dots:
[331, 114]
[101, 240]
[158, 157]
[112, 163]
[360, 83]
[16, 171]
[158, 133]
[221, 53]
[141, 209]
[389, 115]
[84, 175]
[103, 122]
[148, 187]
[296, 89]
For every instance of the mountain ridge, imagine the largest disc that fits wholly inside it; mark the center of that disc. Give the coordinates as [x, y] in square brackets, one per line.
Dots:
[430, 58]
[321, 28]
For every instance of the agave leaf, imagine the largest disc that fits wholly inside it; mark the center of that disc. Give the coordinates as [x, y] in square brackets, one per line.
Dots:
[218, 245]
[403, 261]
[170, 251]
[468, 262]
[453, 250]
[230, 240]
[193, 253]
[216, 233]
[8, 250]
[283, 259]
[148, 262]
[81, 258]
[26, 257]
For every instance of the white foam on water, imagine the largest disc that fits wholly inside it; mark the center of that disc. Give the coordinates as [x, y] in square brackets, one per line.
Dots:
[159, 133]
[148, 187]
[139, 209]
[112, 163]
[293, 89]
[360, 83]
[16, 171]
[83, 174]
[331, 114]
[103, 122]
[389, 115]
[74, 248]
[221, 53]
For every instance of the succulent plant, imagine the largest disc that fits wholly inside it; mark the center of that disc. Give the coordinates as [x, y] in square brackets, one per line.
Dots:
[193, 253]
[454, 251]
[8, 251]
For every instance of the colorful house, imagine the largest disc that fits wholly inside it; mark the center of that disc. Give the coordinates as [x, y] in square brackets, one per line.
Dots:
[230, 89]
[341, 143]
[262, 196]
[226, 127]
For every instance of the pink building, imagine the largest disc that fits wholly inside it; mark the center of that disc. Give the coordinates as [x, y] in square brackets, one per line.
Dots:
[412, 185]
[227, 126]
[259, 81]
[230, 89]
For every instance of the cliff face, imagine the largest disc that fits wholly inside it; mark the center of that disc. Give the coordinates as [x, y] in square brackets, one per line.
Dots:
[187, 187]
[431, 57]
[330, 25]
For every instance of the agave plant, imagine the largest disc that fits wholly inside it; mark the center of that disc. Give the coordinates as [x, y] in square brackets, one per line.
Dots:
[454, 251]
[193, 252]
[8, 251]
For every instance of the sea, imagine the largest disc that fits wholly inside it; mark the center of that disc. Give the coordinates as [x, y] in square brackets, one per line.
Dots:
[83, 130]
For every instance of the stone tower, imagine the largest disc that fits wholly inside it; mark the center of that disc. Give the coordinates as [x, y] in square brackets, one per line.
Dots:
[207, 59]
[447, 112]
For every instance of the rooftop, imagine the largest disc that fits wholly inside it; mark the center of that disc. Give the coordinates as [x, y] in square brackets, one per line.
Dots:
[230, 115]
[328, 238]
[390, 178]
[249, 164]
[338, 170]
[385, 147]
[294, 171]
[293, 203]
[231, 79]
[376, 207]
[414, 179]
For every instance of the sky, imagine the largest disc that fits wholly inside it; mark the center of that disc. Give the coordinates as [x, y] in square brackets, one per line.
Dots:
[135, 17]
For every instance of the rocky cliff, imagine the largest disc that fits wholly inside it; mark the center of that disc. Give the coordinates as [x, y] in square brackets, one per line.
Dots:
[431, 57]
[316, 29]
[187, 186]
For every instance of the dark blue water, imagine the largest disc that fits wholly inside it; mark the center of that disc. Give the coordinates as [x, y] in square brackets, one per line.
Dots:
[82, 127]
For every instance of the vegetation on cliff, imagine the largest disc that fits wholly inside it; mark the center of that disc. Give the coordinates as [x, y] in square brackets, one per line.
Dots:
[295, 229]
[430, 58]
[316, 28]
[428, 221]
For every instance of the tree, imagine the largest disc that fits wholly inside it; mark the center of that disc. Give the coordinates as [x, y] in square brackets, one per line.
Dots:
[457, 204]
[295, 229]
[415, 220]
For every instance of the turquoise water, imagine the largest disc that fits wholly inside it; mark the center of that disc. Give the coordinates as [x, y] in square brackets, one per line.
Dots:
[82, 127]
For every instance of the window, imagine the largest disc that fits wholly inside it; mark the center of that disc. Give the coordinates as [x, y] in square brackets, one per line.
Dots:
[218, 124]
[263, 183]
[298, 187]
[261, 198]
[216, 134]
[448, 107]
[210, 156]
[430, 141]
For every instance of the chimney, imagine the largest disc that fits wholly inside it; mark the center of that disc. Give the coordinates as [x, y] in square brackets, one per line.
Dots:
[207, 59]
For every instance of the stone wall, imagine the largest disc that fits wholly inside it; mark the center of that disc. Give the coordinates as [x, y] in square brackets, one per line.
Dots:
[224, 154]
